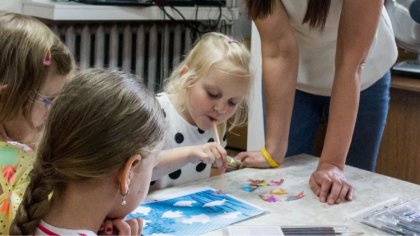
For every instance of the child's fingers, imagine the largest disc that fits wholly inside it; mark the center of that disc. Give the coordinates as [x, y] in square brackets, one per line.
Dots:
[134, 226]
[140, 222]
[122, 227]
[216, 156]
[107, 227]
[207, 156]
[223, 156]
[220, 155]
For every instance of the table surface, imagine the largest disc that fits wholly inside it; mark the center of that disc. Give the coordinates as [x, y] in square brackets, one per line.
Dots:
[371, 190]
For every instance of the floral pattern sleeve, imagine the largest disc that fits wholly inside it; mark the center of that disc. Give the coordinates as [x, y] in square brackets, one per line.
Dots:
[16, 161]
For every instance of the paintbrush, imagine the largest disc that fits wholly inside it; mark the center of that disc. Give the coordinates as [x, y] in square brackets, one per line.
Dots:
[232, 163]
[222, 180]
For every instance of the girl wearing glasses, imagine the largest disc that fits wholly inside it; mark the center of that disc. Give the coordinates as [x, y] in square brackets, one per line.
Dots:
[34, 65]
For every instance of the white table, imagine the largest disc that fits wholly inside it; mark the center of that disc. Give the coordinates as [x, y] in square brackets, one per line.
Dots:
[371, 190]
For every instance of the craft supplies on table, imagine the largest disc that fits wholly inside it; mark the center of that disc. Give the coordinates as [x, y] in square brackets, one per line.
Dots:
[263, 230]
[371, 190]
[397, 217]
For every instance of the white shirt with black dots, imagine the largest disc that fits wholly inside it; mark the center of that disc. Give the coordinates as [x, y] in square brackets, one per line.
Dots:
[180, 133]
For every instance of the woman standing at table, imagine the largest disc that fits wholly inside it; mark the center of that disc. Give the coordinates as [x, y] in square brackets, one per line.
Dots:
[324, 59]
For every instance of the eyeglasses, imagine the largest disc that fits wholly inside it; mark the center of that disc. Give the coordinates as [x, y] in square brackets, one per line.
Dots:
[47, 101]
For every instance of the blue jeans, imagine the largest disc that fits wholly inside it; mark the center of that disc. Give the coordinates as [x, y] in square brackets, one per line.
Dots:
[309, 110]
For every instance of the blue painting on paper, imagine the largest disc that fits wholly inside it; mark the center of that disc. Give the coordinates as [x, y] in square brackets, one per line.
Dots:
[193, 214]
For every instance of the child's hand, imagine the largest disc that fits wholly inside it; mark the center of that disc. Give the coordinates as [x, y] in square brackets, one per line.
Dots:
[209, 153]
[121, 227]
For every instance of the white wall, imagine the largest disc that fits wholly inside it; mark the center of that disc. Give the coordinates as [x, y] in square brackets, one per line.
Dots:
[11, 5]
[242, 26]
[256, 138]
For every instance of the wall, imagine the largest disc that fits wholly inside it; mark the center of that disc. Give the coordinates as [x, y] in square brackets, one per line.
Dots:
[241, 28]
[11, 5]
[255, 115]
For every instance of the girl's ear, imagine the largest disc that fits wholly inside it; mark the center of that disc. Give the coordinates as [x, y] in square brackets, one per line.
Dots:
[3, 88]
[125, 173]
[184, 70]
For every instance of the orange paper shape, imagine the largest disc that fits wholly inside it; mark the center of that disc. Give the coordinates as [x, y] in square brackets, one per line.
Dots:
[280, 191]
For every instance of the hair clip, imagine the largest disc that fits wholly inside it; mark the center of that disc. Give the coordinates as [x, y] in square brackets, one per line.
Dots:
[47, 59]
[231, 40]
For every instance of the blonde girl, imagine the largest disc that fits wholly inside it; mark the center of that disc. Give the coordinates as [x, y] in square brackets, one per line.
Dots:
[95, 157]
[34, 65]
[209, 87]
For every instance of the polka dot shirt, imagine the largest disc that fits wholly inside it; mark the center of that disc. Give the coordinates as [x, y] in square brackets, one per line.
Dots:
[180, 133]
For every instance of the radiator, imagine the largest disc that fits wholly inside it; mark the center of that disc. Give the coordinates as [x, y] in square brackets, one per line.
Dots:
[148, 49]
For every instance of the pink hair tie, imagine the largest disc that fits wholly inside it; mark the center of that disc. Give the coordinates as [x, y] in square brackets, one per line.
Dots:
[230, 40]
[47, 59]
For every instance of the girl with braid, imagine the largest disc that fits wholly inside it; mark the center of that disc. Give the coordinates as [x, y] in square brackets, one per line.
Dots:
[95, 158]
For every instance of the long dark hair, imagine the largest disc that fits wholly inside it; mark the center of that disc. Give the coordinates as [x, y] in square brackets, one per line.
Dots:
[316, 13]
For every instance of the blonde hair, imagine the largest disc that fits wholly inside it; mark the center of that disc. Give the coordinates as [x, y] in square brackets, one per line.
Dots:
[25, 44]
[100, 120]
[213, 51]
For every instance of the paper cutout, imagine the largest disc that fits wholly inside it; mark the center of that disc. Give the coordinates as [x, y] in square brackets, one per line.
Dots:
[249, 188]
[277, 183]
[258, 183]
[272, 198]
[253, 184]
[268, 198]
[280, 191]
[296, 197]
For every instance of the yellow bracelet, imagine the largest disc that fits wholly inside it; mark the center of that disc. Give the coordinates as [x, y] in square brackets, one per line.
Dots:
[268, 158]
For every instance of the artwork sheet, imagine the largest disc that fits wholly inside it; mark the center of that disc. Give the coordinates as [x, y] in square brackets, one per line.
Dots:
[193, 213]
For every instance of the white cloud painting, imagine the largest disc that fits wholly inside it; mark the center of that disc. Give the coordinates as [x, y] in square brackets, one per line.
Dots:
[215, 203]
[172, 214]
[202, 218]
[142, 210]
[194, 213]
[185, 203]
[146, 222]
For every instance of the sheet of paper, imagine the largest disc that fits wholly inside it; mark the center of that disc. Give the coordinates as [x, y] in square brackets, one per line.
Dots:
[193, 213]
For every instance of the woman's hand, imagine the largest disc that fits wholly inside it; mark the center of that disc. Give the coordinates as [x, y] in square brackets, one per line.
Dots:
[121, 227]
[254, 159]
[330, 185]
